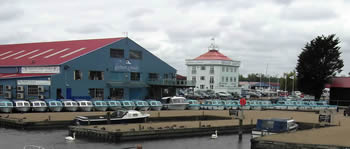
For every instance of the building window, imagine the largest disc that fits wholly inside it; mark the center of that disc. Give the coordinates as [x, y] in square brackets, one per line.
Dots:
[231, 68]
[202, 67]
[211, 86]
[223, 79]
[226, 79]
[135, 54]
[235, 69]
[202, 78]
[117, 53]
[166, 76]
[153, 76]
[78, 75]
[227, 69]
[211, 70]
[223, 68]
[194, 78]
[96, 93]
[33, 90]
[95, 75]
[135, 76]
[235, 80]
[201, 86]
[230, 79]
[116, 93]
[1, 90]
[211, 79]
[194, 71]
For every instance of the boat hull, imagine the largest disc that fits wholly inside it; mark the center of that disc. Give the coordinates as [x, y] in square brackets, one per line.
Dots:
[55, 109]
[114, 108]
[156, 108]
[145, 108]
[85, 109]
[101, 108]
[22, 109]
[70, 109]
[193, 107]
[112, 121]
[175, 106]
[39, 109]
[6, 109]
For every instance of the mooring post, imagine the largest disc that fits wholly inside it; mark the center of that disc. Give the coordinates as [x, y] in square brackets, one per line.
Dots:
[108, 118]
[240, 129]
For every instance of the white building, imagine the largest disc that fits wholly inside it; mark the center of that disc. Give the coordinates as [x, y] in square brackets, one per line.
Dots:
[214, 71]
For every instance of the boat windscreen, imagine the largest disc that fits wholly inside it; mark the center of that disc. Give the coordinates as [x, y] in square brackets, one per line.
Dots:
[9, 104]
[2, 104]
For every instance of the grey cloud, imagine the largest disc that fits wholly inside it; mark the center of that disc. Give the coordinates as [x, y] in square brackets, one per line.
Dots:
[308, 14]
[85, 29]
[139, 12]
[142, 26]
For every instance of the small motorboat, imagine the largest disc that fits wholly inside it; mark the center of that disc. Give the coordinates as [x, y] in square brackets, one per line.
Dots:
[117, 117]
[273, 126]
[100, 105]
[21, 105]
[6, 106]
[114, 105]
[174, 103]
[128, 104]
[54, 105]
[84, 105]
[193, 104]
[141, 105]
[155, 105]
[38, 105]
[69, 105]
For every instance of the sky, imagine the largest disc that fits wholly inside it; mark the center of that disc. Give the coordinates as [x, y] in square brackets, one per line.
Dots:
[266, 36]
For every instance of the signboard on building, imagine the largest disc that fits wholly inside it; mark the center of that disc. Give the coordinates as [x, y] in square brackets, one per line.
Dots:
[126, 66]
[48, 69]
[33, 82]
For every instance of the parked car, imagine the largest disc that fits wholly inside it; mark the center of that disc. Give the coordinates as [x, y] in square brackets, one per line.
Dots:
[347, 111]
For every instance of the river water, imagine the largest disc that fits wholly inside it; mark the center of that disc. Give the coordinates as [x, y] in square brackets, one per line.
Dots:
[54, 139]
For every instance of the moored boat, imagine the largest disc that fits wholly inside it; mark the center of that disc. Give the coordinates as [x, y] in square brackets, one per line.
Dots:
[38, 105]
[128, 104]
[6, 106]
[174, 103]
[155, 105]
[117, 117]
[84, 105]
[141, 105]
[114, 105]
[193, 104]
[21, 105]
[273, 126]
[54, 105]
[100, 105]
[69, 105]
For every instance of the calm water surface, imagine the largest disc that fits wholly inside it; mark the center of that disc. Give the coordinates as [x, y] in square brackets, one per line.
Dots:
[17, 139]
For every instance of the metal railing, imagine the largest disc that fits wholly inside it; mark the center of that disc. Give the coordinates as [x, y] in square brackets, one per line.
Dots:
[170, 82]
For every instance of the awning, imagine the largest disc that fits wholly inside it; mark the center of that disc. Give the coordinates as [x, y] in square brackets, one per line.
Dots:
[127, 84]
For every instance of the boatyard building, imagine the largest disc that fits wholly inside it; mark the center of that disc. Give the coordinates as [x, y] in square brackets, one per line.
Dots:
[114, 68]
[214, 71]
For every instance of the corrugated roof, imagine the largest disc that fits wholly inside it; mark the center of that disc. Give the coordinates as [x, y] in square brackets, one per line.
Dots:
[213, 55]
[341, 82]
[49, 53]
[23, 75]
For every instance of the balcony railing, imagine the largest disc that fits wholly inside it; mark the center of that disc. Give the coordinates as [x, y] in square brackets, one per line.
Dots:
[170, 82]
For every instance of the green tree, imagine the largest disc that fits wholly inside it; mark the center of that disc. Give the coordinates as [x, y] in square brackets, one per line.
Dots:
[318, 62]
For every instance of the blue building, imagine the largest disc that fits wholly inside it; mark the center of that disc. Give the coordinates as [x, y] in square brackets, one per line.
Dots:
[115, 68]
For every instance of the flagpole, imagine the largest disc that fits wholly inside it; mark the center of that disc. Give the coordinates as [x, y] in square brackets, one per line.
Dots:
[285, 85]
[293, 85]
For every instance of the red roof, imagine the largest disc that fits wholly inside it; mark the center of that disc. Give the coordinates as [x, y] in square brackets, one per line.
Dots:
[213, 55]
[49, 53]
[22, 75]
[341, 82]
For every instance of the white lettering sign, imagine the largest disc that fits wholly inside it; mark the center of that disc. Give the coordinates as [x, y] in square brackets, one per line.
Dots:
[33, 82]
[49, 69]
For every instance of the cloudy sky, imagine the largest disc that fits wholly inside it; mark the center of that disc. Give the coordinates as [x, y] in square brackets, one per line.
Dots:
[256, 32]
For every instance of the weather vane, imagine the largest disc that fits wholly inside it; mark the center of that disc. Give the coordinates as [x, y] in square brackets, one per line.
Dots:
[212, 45]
